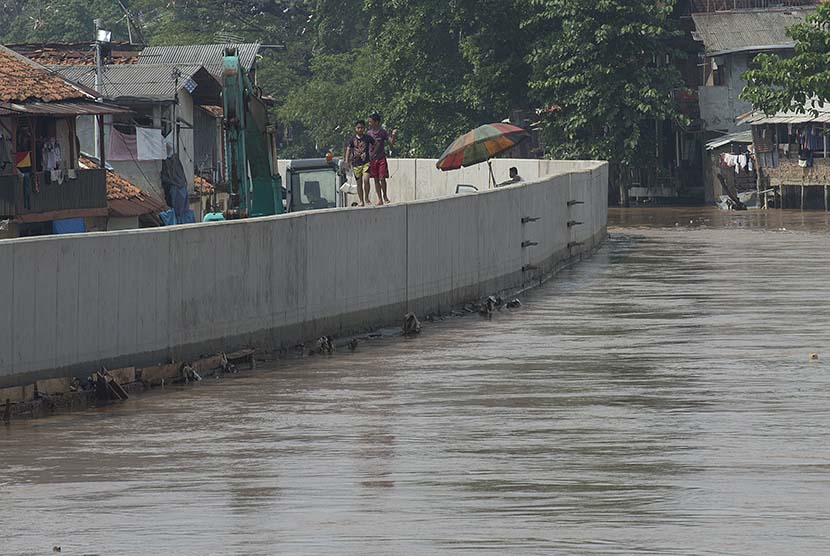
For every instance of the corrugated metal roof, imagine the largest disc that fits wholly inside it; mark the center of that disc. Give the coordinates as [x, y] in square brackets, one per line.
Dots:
[813, 112]
[737, 137]
[134, 81]
[747, 30]
[207, 55]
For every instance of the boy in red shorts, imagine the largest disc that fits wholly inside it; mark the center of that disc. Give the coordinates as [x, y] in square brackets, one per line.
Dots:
[378, 166]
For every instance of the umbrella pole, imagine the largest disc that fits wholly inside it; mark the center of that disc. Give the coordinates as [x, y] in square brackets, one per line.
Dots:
[492, 177]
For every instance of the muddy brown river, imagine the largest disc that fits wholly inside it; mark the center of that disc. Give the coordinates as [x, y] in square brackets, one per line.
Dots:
[656, 399]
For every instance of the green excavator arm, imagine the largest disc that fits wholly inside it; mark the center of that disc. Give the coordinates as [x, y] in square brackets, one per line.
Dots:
[255, 190]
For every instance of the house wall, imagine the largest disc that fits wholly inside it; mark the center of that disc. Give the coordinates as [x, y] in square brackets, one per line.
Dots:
[789, 172]
[139, 297]
[146, 174]
[115, 223]
[720, 105]
[745, 181]
[205, 142]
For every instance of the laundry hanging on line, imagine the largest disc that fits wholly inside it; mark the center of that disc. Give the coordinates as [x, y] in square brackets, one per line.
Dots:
[150, 144]
[122, 146]
[146, 144]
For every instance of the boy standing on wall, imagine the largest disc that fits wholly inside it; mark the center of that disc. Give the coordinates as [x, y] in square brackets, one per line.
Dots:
[378, 166]
[358, 156]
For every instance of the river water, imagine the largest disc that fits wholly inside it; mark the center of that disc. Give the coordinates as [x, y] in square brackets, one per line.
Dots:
[656, 399]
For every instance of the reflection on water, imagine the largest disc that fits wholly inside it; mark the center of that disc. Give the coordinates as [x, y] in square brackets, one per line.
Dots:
[657, 399]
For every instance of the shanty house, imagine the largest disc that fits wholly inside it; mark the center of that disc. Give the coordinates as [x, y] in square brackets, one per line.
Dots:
[208, 141]
[792, 150]
[163, 99]
[42, 188]
[128, 206]
[155, 82]
[732, 33]
[731, 40]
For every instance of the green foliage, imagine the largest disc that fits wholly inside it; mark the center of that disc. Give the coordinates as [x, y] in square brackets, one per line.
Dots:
[327, 105]
[433, 68]
[443, 68]
[57, 20]
[606, 64]
[780, 84]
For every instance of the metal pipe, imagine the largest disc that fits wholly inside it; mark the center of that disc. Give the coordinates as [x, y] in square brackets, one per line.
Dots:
[99, 84]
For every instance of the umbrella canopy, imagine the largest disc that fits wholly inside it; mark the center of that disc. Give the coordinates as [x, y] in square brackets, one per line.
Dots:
[480, 144]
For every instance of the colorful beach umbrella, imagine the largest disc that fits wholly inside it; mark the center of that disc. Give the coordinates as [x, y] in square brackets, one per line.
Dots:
[480, 145]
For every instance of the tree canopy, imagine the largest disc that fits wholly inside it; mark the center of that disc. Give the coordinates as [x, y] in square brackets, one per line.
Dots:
[793, 83]
[606, 67]
[433, 68]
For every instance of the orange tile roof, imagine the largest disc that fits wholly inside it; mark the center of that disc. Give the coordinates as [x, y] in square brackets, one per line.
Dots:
[22, 80]
[121, 189]
[203, 186]
[73, 53]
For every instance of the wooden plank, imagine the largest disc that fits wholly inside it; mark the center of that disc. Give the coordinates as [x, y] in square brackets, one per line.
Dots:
[51, 386]
[15, 394]
[123, 376]
[28, 392]
[155, 374]
[207, 364]
[241, 354]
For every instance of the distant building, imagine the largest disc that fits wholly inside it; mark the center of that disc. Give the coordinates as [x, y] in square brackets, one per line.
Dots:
[157, 94]
[792, 151]
[43, 190]
[732, 33]
[154, 82]
[128, 206]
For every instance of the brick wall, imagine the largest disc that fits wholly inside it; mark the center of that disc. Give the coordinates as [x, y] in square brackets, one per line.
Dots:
[790, 173]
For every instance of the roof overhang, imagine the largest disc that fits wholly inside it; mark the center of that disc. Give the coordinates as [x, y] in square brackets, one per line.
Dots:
[33, 217]
[147, 204]
[754, 48]
[61, 109]
[787, 118]
[737, 137]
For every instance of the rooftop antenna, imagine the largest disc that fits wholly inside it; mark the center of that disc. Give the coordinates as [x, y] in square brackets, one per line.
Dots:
[132, 25]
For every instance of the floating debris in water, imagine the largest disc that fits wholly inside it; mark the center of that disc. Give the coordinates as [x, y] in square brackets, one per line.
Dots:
[325, 345]
[411, 324]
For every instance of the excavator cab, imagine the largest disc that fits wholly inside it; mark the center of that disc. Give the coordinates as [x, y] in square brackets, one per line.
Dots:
[313, 184]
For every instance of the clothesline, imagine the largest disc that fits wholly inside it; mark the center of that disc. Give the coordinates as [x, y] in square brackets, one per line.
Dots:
[737, 161]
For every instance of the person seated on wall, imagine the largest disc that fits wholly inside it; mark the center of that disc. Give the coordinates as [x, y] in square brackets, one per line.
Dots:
[514, 177]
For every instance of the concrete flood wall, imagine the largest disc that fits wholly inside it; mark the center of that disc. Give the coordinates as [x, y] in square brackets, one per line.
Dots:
[141, 297]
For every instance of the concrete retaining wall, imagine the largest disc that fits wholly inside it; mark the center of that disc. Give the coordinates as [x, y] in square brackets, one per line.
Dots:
[141, 297]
